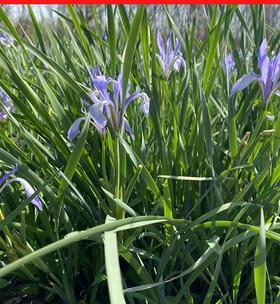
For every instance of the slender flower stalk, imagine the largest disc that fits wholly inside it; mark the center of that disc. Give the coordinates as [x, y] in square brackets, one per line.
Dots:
[108, 108]
[268, 78]
[169, 59]
[29, 191]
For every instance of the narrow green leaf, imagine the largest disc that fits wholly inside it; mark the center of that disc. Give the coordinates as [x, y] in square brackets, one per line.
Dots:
[112, 265]
[124, 19]
[131, 47]
[37, 29]
[214, 32]
[120, 203]
[187, 178]
[112, 38]
[77, 236]
[10, 26]
[260, 263]
[74, 159]
[76, 22]
[146, 175]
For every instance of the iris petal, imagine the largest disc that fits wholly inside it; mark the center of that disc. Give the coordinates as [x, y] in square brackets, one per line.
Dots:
[132, 97]
[7, 175]
[243, 83]
[145, 104]
[263, 60]
[5, 99]
[128, 129]
[160, 44]
[96, 112]
[3, 116]
[169, 59]
[29, 191]
[75, 128]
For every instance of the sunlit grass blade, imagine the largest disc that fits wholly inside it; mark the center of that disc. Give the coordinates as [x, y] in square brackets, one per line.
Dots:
[77, 236]
[260, 263]
[112, 266]
[131, 47]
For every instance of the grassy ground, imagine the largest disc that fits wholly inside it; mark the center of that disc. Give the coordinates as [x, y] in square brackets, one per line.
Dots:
[186, 210]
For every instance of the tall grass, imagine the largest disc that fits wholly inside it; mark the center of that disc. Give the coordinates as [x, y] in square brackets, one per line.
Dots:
[187, 212]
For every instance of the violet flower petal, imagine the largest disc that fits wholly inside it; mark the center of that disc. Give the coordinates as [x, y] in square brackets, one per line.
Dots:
[29, 191]
[161, 46]
[263, 60]
[145, 104]
[229, 64]
[117, 88]
[127, 128]
[243, 83]
[3, 116]
[276, 70]
[130, 98]
[169, 59]
[5, 99]
[96, 112]
[7, 175]
[74, 130]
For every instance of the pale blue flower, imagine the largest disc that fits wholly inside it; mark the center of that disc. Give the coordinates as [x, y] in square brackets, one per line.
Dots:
[268, 78]
[169, 59]
[109, 107]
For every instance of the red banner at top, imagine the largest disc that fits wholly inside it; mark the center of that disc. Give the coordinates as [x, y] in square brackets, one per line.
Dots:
[145, 2]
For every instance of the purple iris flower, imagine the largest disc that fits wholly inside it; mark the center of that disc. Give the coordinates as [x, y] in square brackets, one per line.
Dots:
[169, 59]
[29, 191]
[229, 65]
[6, 40]
[104, 37]
[109, 107]
[7, 104]
[268, 78]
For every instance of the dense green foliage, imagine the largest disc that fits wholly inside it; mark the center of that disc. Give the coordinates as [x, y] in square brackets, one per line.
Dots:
[187, 212]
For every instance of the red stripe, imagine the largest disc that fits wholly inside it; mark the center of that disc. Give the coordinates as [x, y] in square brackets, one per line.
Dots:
[139, 2]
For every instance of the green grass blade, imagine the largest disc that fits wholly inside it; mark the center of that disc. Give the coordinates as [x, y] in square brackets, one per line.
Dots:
[37, 28]
[260, 264]
[77, 236]
[131, 47]
[112, 39]
[112, 266]
[74, 159]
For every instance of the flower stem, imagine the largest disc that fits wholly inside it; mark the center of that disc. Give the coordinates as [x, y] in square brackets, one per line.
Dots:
[103, 160]
[232, 129]
[117, 164]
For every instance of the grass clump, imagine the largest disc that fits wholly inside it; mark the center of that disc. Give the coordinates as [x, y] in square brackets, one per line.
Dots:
[136, 167]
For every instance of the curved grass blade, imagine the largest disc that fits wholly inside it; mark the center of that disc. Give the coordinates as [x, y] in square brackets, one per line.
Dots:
[120, 203]
[77, 236]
